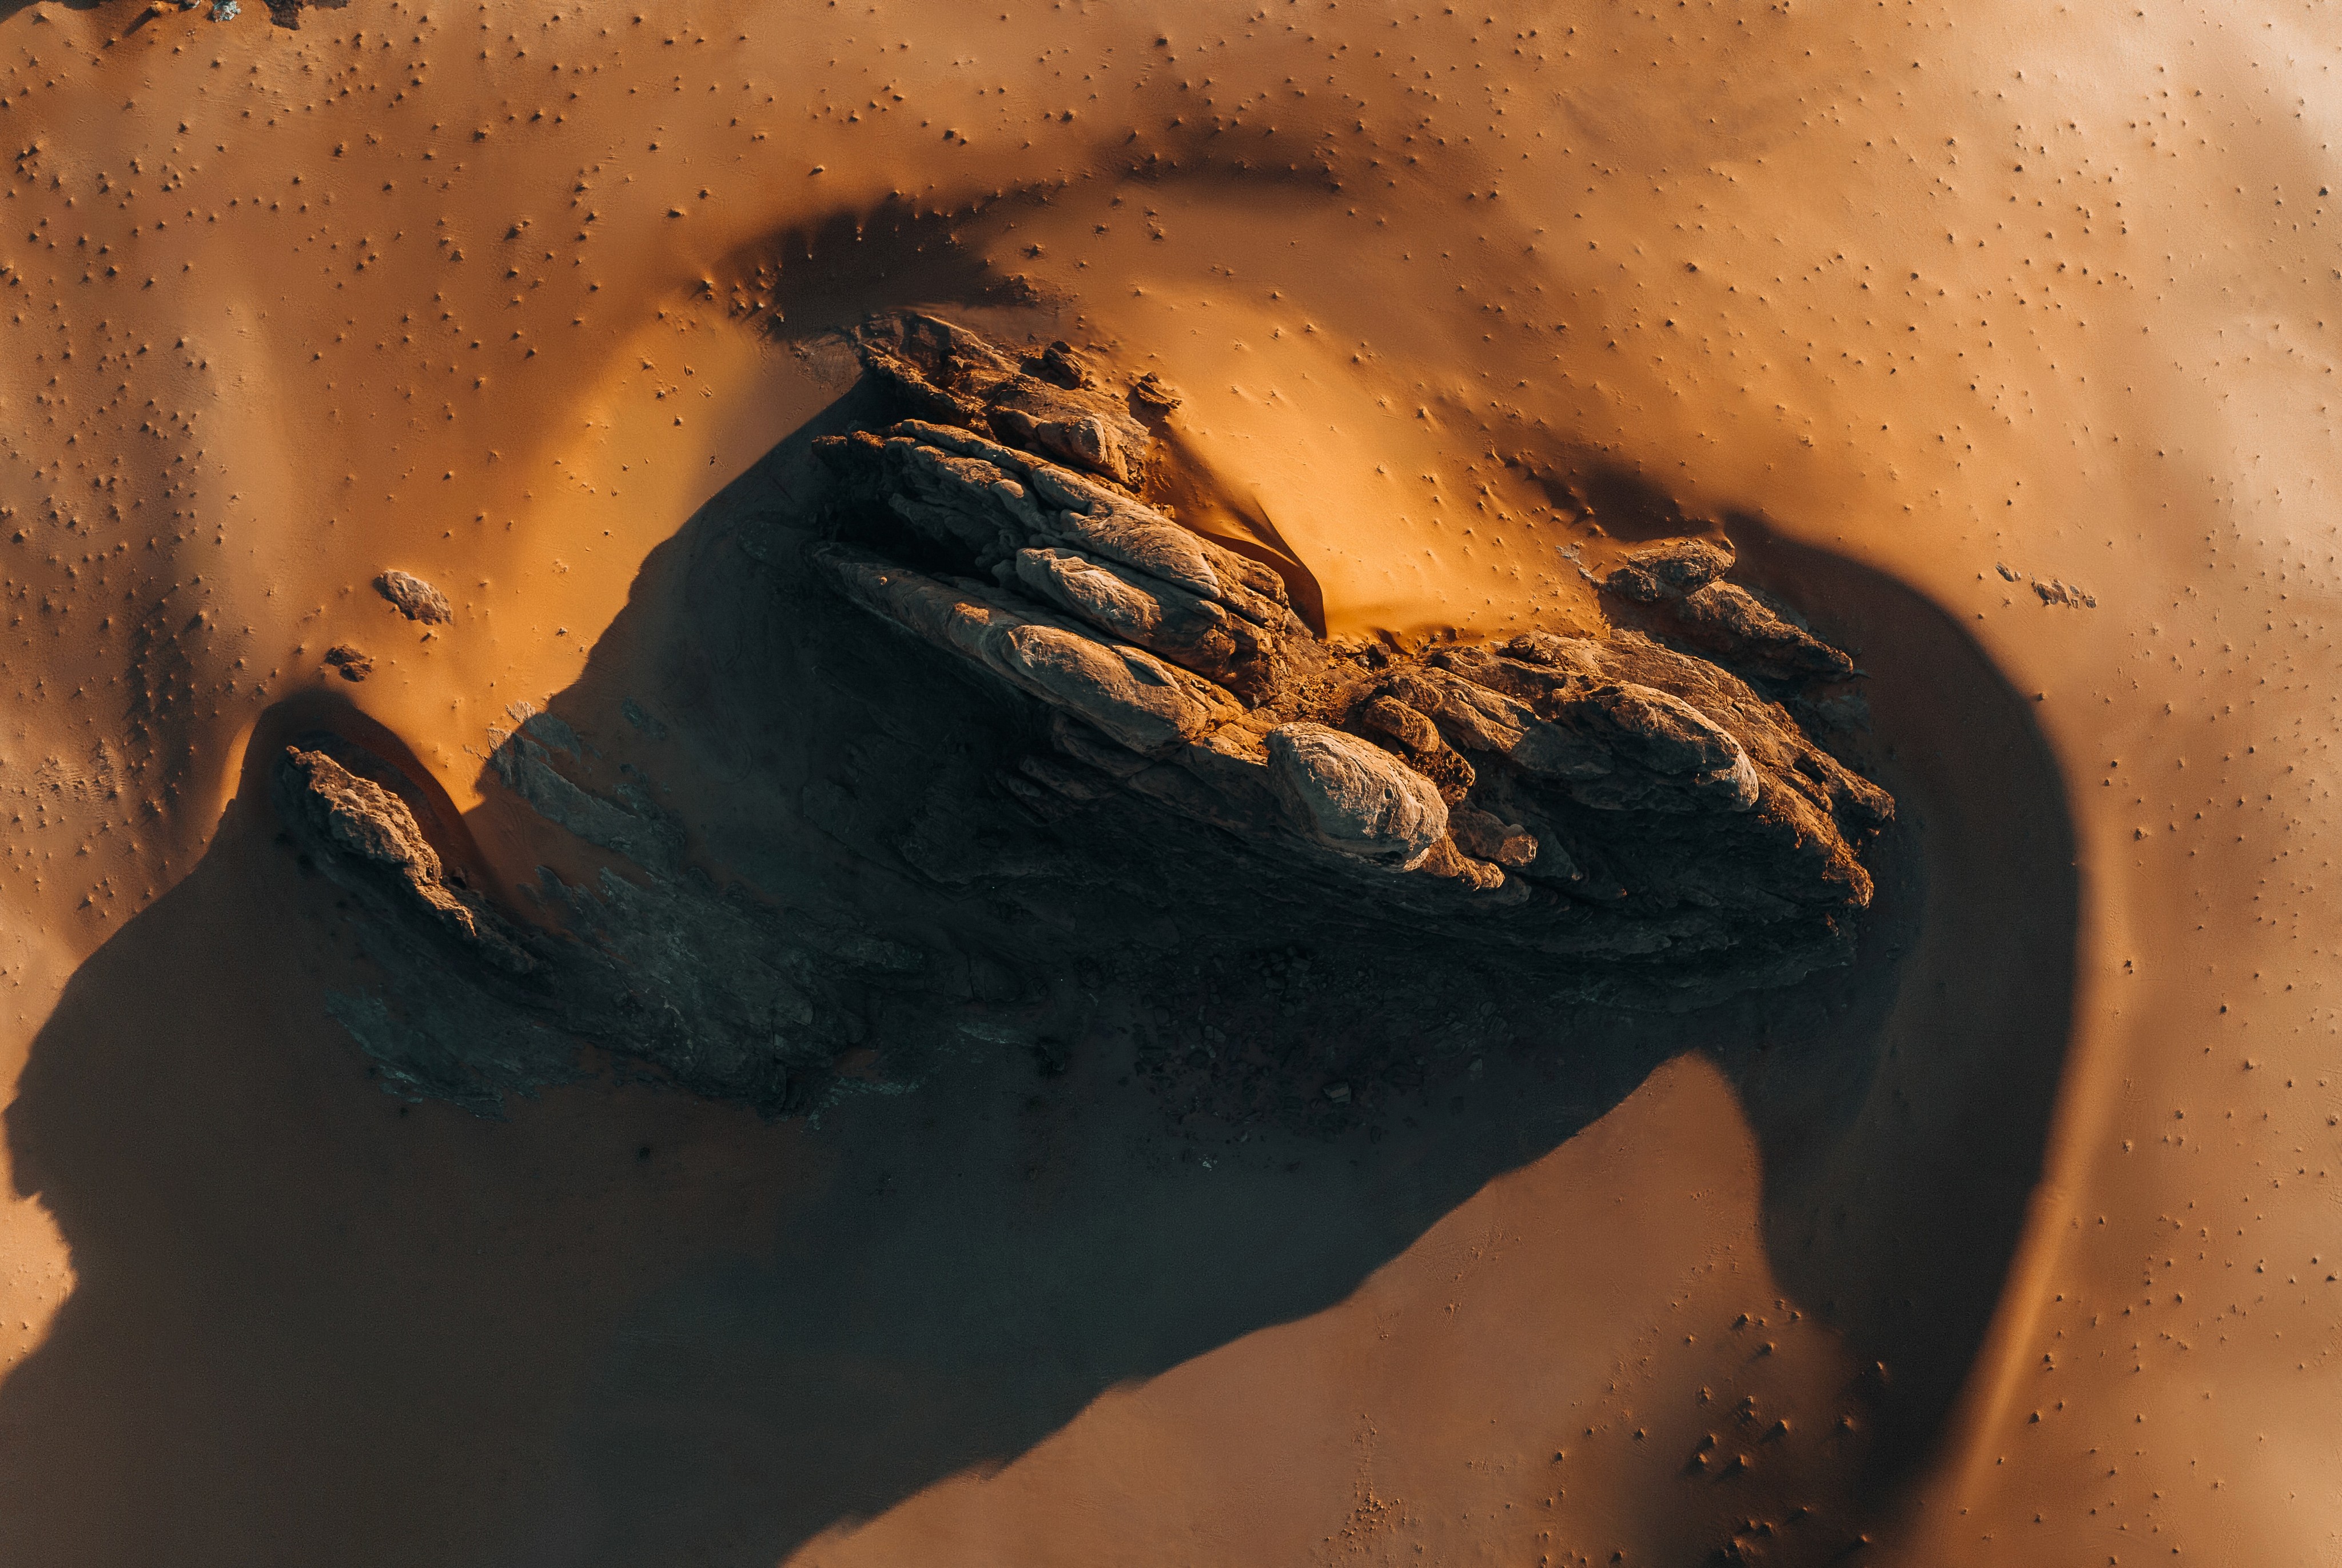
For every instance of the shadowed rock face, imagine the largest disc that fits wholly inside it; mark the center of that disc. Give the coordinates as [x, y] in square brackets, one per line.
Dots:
[658, 967]
[368, 840]
[1605, 800]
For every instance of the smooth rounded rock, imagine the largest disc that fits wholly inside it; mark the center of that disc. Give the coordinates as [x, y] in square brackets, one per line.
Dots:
[1352, 795]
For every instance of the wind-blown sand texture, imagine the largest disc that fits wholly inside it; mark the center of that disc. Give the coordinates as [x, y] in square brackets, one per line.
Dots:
[928, 1170]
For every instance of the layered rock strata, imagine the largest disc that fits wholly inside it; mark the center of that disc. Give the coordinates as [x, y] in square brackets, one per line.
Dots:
[1610, 798]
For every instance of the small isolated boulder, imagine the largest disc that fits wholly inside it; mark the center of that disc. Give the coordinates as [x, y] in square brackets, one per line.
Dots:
[352, 663]
[1352, 795]
[416, 599]
[1060, 364]
[1151, 398]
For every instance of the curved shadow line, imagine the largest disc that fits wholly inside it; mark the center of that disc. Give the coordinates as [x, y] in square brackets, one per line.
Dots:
[1945, 1138]
[981, 1260]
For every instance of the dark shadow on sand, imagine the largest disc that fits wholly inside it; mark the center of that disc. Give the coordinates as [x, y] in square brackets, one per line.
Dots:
[624, 1327]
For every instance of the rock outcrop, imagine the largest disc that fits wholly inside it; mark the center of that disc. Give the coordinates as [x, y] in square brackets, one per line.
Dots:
[367, 839]
[659, 967]
[1682, 580]
[1608, 799]
[1050, 404]
[1148, 793]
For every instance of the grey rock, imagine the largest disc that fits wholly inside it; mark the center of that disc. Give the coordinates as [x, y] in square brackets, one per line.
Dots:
[1193, 632]
[1682, 581]
[1086, 440]
[649, 723]
[953, 487]
[1654, 733]
[524, 765]
[710, 988]
[1125, 692]
[1128, 694]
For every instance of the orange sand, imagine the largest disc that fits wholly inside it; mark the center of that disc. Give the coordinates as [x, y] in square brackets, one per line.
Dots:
[499, 294]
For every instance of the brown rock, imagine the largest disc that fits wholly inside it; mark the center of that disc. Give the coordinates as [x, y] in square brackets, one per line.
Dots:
[1614, 800]
[416, 599]
[1150, 399]
[1059, 364]
[1192, 632]
[1490, 837]
[1419, 738]
[1733, 622]
[1051, 404]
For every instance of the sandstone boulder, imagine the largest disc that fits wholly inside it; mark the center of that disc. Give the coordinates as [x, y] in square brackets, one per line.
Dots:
[1352, 795]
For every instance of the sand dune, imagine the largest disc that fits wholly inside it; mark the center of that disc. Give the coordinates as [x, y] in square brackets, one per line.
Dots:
[1996, 340]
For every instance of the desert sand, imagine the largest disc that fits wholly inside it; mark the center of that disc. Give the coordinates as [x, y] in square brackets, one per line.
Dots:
[1995, 336]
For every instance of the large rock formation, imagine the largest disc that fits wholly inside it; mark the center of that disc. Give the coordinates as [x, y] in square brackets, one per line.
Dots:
[1152, 797]
[1614, 801]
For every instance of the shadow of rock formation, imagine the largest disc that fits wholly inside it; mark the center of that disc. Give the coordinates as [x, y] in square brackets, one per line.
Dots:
[1062, 1107]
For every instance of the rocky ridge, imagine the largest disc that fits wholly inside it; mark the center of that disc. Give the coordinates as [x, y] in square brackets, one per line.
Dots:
[1302, 879]
[1608, 799]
